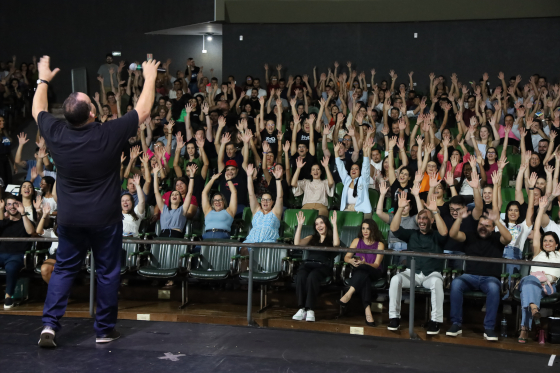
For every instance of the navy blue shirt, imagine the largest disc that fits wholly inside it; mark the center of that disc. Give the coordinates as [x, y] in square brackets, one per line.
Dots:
[88, 167]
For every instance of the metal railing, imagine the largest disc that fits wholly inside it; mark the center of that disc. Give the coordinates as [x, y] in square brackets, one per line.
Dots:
[341, 250]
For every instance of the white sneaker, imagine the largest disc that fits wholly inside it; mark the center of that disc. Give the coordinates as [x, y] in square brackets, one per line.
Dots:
[310, 316]
[300, 315]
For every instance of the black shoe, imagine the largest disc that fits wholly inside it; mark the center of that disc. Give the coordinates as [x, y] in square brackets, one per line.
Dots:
[394, 324]
[370, 323]
[490, 335]
[106, 338]
[454, 331]
[433, 327]
[46, 340]
[8, 303]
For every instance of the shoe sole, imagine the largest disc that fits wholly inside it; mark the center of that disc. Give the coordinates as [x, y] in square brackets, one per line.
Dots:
[490, 338]
[393, 329]
[106, 340]
[298, 319]
[8, 307]
[433, 333]
[451, 334]
[310, 320]
[47, 340]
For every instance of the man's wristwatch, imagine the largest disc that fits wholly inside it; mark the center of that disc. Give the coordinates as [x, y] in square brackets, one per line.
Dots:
[39, 81]
[435, 212]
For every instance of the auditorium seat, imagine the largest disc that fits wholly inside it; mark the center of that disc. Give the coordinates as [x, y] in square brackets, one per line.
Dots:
[289, 223]
[214, 262]
[347, 219]
[163, 260]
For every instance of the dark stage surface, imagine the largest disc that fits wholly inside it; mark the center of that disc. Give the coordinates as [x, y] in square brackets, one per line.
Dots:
[188, 347]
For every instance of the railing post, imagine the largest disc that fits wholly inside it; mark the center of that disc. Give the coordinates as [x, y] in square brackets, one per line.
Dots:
[412, 293]
[250, 320]
[91, 286]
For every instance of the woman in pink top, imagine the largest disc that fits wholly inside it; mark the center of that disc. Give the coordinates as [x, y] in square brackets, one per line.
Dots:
[455, 164]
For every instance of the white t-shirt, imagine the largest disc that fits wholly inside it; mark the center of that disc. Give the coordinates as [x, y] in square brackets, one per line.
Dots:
[262, 92]
[49, 233]
[519, 233]
[130, 225]
[465, 189]
[51, 202]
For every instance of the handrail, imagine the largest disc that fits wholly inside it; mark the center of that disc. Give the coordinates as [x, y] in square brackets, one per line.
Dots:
[265, 245]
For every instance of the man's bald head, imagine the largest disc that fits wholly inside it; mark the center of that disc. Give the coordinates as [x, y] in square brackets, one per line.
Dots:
[78, 109]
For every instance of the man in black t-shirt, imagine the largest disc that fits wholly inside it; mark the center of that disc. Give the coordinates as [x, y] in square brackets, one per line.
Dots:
[87, 156]
[479, 276]
[11, 253]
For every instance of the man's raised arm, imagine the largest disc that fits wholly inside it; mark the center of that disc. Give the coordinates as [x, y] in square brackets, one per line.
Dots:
[146, 100]
[40, 102]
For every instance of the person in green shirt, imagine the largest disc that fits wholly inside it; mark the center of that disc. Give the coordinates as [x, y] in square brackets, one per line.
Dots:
[428, 270]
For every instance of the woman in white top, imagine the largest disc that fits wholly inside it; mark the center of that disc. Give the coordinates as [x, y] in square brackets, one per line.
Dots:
[316, 191]
[47, 228]
[545, 249]
[132, 216]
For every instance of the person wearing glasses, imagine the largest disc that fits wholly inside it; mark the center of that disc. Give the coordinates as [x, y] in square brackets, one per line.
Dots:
[218, 214]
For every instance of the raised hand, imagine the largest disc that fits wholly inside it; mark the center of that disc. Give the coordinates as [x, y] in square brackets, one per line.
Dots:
[333, 218]
[392, 142]
[277, 173]
[383, 188]
[415, 189]
[250, 169]
[37, 203]
[474, 182]
[449, 178]
[247, 136]
[300, 163]
[418, 176]
[532, 180]
[300, 218]
[192, 169]
[434, 182]
[325, 162]
[286, 147]
[22, 138]
[403, 201]
[188, 108]
[432, 204]
[136, 180]
[265, 147]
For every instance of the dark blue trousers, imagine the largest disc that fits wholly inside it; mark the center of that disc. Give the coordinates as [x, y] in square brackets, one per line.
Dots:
[74, 242]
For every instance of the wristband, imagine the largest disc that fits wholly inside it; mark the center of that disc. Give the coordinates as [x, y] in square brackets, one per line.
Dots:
[265, 152]
[279, 179]
[532, 188]
[192, 178]
[452, 186]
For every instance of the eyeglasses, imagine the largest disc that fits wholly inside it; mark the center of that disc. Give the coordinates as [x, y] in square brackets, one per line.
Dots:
[266, 200]
[218, 200]
[455, 210]
[490, 152]
[11, 204]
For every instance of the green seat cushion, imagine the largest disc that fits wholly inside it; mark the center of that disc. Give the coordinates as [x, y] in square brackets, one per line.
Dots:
[474, 294]
[261, 276]
[209, 275]
[150, 271]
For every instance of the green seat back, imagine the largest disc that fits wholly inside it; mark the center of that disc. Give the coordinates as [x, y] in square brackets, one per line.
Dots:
[128, 248]
[555, 212]
[289, 224]
[217, 258]
[166, 256]
[269, 260]
[373, 198]
[347, 234]
[383, 227]
[348, 218]
[508, 194]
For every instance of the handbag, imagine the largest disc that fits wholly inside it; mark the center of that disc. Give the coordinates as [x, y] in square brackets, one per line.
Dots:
[541, 276]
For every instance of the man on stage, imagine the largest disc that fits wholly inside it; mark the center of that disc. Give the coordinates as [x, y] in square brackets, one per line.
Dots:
[87, 157]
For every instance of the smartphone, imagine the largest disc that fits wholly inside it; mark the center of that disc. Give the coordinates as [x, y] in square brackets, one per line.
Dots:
[149, 57]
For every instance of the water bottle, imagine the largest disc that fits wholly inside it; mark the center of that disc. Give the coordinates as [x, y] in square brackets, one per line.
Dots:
[503, 328]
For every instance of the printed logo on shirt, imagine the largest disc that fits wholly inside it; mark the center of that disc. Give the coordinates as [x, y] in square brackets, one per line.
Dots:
[304, 138]
[270, 140]
[6, 141]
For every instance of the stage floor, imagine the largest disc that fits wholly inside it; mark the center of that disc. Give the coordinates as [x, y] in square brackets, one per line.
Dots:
[281, 318]
[148, 346]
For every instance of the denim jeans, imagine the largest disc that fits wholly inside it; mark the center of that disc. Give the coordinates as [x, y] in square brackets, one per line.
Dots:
[73, 244]
[399, 246]
[12, 263]
[511, 252]
[531, 292]
[210, 236]
[488, 285]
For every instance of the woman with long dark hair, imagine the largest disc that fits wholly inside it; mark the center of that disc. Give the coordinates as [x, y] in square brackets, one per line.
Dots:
[28, 197]
[367, 267]
[133, 215]
[173, 214]
[318, 264]
[543, 280]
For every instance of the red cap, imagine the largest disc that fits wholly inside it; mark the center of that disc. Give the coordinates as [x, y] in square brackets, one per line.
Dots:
[232, 163]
